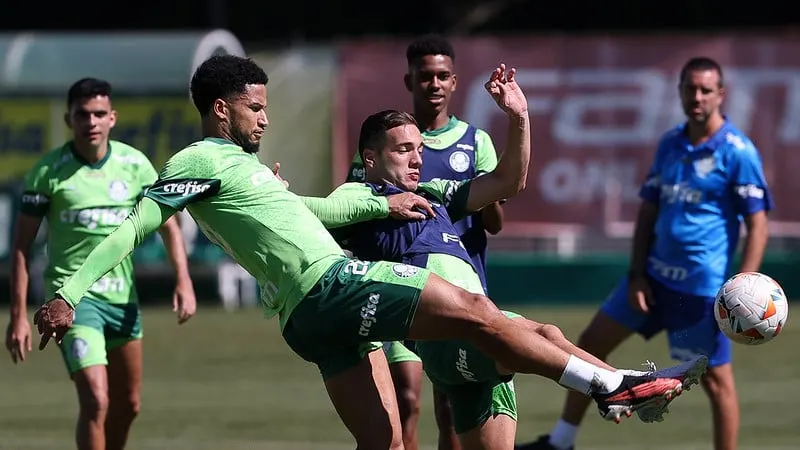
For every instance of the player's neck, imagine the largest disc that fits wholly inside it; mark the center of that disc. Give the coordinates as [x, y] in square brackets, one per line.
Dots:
[91, 154]
[432, 121]
[701, 132]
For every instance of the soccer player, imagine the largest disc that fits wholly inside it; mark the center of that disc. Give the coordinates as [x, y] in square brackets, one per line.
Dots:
[453, 150]
[330, 307]
[85, 189]
[480, 390]
[705, 179]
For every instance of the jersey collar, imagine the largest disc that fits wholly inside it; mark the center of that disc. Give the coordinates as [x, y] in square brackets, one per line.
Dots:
[717, 139]
[449, 126]
[220, 141]
[82, 160]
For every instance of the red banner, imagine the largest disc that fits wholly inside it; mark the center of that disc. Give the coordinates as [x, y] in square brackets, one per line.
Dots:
[599, 106]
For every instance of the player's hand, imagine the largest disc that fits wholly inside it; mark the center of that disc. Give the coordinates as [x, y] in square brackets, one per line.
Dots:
[184, 302]
[18, 339]
[640, 297]
[409, 206]
[53, 319]
[276, 169]
[505, 91]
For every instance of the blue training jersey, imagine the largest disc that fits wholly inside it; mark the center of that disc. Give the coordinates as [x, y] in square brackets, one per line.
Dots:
[409, 242]
[702, 194]
[458, 152]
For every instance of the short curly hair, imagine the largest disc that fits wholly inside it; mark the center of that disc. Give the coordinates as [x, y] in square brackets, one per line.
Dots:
[430, 44]
[223, 76]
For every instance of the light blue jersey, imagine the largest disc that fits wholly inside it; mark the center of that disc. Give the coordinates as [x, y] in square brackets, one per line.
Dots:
[702, 194]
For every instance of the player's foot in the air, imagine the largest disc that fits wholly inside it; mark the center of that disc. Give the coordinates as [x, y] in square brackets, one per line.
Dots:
[689, 373]
[649, 391]
[543, 443]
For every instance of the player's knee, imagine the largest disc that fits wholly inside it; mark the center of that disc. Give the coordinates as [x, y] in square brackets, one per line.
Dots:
[94, 402]
[409, 404]
[130, 405]
[551, 332]
[718, 382]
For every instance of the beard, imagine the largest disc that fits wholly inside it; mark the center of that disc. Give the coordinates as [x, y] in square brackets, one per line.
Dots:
[242, 139]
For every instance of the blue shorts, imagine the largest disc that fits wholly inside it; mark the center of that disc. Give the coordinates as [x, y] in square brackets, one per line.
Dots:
[688, 319]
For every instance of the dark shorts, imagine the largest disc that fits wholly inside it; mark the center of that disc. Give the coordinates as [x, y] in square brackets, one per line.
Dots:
[688, 320]
[98, 327]
[469, 378]
[353, 308]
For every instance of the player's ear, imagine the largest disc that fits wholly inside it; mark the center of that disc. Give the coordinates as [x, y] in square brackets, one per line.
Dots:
[112, 118]
[369, 158]
[455, 83]
[66, 120]
[407, 81]
[220, 109]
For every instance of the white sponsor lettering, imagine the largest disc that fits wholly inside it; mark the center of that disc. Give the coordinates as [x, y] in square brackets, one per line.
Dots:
[108, 285]
[368, 311]
[565, 180]
[261, 177]
[584, 104]
[358, 173]
[35, 199]
[680, 193]
[749, 191]
[674, 273]
[463, 367]
[448, 238]
[185, 188]
[91, 218]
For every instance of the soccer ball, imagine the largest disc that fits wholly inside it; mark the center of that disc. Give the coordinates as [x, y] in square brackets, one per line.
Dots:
[751, 308]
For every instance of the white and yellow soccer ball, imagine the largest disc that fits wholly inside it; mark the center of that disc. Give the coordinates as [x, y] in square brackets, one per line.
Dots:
[751, 308]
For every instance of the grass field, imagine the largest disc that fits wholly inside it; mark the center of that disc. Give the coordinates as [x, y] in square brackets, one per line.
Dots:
[228, 381]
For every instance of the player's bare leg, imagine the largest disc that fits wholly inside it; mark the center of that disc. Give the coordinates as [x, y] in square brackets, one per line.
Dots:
[598, 340]
[719, 384]
[554, 334]
[365, 400]
[448, 439]
[91, 384]
[497, 433]
[124, 392]
[448, 312]
[407, 379]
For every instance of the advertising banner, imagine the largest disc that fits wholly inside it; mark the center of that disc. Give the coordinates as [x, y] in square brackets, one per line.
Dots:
[598, 106]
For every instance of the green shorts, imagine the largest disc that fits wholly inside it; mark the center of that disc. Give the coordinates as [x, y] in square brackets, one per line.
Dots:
[354, 307]
[397, 352]
[470, 380]
[98, 327]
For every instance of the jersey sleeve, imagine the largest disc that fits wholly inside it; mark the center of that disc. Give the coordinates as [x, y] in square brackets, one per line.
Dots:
[350, 203]
[651, 188]
[453, 195]
[36, 191]
[356, 173]
[145, 218]
[485, 153]
[188, 177]
[751, 192]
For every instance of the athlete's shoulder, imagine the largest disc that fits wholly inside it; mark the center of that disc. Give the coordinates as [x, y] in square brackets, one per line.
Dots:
[53, 159]
[127, 154]
[672, 135]
[736, 140]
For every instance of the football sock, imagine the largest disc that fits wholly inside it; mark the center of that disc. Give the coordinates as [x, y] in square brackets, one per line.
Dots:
[563, 435]
[587, 378]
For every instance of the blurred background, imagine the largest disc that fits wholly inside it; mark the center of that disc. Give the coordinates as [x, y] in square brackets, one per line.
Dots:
[601, 81]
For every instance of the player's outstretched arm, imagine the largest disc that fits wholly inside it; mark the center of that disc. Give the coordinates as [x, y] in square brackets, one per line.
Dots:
[54, 318]
[511, 173]
[355, 202]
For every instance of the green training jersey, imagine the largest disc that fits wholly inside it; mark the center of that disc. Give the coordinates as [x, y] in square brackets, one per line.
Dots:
[241, 206]
[83, 203]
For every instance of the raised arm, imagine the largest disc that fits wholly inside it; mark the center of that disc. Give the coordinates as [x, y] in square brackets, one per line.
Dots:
[511, 174]
[55, 317]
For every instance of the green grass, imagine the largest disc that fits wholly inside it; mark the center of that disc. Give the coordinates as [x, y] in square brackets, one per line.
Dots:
[228, 381]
